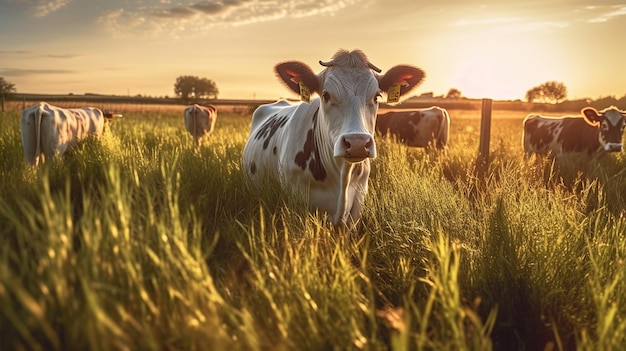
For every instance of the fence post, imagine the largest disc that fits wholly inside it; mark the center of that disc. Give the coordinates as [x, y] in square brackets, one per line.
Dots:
[2, 102]
[482, 162]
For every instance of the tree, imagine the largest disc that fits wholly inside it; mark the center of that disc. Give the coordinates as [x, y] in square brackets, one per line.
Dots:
[193, 87]
[6, 87]
[454, 94]
[533, 94]
[552, 92]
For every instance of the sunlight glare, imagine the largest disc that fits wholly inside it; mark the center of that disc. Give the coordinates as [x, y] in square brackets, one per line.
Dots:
[500, 62]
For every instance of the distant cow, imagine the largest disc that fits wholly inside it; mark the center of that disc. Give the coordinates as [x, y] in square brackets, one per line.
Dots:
[427, 128]
[200, 121]
[594, 131]
[51, 130]
[320, 151]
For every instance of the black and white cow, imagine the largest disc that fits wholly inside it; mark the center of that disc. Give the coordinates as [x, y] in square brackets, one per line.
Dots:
[592, 132]
[320, 151]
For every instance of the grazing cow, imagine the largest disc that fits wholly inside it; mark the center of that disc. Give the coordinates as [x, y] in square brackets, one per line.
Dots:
[50, 130]
[320, 151]
[593, 132]
[200, 121]
[427, 128]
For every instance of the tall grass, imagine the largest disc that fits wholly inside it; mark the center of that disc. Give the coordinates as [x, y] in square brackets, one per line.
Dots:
[135, 241]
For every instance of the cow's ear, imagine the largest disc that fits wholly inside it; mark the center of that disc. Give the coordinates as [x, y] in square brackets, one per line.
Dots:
[293, 73]
[407, 77]
[591, 116]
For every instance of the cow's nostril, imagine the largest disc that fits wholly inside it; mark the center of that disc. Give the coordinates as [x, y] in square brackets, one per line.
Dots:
[346, 143]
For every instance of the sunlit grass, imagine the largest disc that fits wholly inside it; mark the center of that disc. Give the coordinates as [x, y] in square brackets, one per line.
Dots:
[135, 241]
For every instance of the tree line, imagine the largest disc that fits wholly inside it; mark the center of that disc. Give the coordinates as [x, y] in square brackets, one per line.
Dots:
[548, 92]
[191, 88]
[553, 93]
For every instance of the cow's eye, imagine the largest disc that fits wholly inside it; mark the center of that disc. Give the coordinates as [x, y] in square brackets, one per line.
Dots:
[326, 96]
[377, 98]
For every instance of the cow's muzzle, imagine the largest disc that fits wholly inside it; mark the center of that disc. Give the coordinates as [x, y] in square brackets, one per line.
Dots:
[356, 147]
[613, 147]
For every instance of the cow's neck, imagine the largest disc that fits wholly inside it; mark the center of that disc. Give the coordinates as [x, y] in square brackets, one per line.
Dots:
[337, 168]
[324, 143]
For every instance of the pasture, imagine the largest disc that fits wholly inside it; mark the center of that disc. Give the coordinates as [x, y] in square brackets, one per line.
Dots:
[135, 242]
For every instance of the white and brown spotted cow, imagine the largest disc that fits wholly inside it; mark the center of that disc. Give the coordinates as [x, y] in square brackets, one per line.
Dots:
[49, 130]
[200, 121]
[320, 151]
[429, 127]
[592, 132]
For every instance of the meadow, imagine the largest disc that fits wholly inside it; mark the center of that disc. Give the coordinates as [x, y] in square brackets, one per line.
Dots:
[135, 242]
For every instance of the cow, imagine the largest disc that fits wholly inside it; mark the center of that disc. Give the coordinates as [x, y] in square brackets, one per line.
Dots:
[320, 151]
[200, 121]
[49, 130]
[427, 128]
[593, 132]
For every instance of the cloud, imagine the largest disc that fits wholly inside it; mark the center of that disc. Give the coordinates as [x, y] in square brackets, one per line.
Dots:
[42, 8]
[216, 7]
[15, 52]
[486, 21]
[32, 54]
[513, 23]
[614, 12]
[62, 56]
[19, 72]
[165, 18]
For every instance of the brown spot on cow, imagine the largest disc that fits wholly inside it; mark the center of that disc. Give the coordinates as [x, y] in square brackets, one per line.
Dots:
[310, 155]
[269, 128]
[539, 135]
[398, 124]
[577, 135]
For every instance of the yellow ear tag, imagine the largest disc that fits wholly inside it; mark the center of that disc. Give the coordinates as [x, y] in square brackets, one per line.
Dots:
[305, 93]
[393, 94]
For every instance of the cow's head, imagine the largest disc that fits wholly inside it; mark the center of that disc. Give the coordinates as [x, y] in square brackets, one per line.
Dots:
[611, 124]
[108, 118]
[349, 89]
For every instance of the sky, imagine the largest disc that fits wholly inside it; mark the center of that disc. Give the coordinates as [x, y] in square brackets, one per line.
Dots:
[485, 49]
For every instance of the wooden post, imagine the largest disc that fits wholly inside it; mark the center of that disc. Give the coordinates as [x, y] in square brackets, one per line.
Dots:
[482, 162]
[3, 102]
[485, 130]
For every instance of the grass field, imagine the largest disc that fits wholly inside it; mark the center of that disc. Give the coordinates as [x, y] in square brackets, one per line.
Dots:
[135, 242]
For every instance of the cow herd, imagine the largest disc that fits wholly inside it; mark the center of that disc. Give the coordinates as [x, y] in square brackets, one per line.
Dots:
[320, 149]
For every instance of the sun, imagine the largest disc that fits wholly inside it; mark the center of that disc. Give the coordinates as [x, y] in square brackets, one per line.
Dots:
[499, 64]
